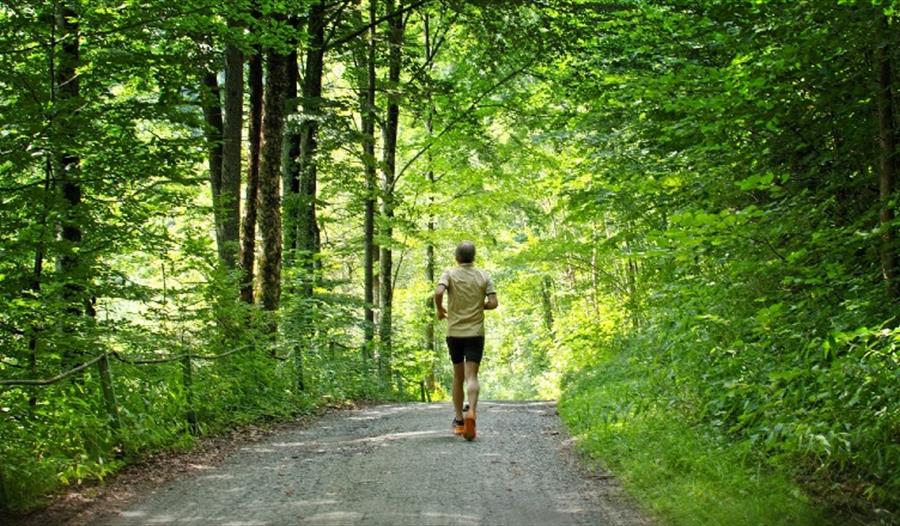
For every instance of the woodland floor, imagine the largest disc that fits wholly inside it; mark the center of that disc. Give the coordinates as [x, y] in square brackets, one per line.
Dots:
[386, 464]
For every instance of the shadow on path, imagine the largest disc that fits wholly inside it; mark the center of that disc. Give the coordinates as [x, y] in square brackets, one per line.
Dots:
[396, 464]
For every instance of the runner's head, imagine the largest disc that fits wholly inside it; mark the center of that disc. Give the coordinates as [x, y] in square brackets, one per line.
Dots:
[465, 252]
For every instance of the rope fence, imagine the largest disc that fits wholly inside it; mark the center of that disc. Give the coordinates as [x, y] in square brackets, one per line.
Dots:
[57, 378]
[106, 382]
[190, 415]
[118, 356]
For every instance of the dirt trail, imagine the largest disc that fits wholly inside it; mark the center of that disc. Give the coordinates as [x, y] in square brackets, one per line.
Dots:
[396, 465]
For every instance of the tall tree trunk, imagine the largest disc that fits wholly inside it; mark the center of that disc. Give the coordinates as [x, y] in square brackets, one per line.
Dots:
[248, 241]
[307, 227]
[70, 167]
[547, 303]
[229, 202]
[429, 247]
[392, 120]
[38, 268]
[269, 179]
[71, 263]
[888, 146]
[595, 287]
[634, 299]
[368, 128]
[34, 331]
[40, 250]
[210, 101]
[290, 204]
[291, 167]
[300, 177]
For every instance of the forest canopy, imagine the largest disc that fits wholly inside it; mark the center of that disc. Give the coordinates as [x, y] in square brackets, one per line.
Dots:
[220, 212]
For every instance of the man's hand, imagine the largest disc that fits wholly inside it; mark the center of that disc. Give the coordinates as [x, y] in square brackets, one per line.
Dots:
[439, 301]
[490, 302]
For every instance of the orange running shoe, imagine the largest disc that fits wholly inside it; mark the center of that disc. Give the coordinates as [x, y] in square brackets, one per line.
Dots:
[458, 427]
[469, 426]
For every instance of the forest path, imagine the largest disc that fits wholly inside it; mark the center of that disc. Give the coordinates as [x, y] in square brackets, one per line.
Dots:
[397, 465]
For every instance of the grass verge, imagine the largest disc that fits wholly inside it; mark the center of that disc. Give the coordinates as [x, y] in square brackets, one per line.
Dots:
[682, 474]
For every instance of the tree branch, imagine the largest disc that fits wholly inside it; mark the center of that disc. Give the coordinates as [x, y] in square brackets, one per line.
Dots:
[358, 31]
[458, 119]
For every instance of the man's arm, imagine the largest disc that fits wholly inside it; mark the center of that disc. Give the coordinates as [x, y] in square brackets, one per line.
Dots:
[490, 303]
[439, 301]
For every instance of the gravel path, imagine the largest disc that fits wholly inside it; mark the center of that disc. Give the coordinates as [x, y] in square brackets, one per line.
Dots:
[397, 465]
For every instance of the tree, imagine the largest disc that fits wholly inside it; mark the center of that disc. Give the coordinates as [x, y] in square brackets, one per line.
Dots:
[72, 264]
[248, 230]
[228, 204]
[307, 227]
[270, 178]
[887, 135]
[211, 102]
[388, 172]
[367, 111]
[430, 54]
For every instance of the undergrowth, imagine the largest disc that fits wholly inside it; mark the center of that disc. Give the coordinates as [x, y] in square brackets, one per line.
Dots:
[683, 474]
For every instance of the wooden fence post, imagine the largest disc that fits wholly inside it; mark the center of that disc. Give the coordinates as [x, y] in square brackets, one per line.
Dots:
[422, 390]
[187, 379]
[109, 393]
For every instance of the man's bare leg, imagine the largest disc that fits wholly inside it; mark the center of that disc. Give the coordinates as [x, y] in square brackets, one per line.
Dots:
[458, 378]
[472, 386]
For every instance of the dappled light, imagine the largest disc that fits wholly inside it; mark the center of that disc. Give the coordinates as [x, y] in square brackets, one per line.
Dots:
[673, 225]
[363, 471]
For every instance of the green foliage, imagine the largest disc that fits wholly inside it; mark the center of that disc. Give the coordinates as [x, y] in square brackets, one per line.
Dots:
[699, 180]
[683, 473]
[678, 202]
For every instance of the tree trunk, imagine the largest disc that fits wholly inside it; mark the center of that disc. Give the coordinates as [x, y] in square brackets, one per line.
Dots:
[634, 303]
[210, 101]
[291, 168]
[307, 227]
[229, 202]
[69, 163]
[34, 330]
[269, 179]
[368, 129]
[248, 247]
[547, 303]
[888, 150]
[392, 120]
[429, 247]
[38, 268]
[595, 303]
[40, 250]
[71, 263]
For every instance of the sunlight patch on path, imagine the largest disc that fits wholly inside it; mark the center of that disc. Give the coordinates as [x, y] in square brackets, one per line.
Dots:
[396, 465]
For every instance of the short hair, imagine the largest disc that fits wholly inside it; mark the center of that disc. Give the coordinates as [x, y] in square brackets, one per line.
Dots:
[465, 252]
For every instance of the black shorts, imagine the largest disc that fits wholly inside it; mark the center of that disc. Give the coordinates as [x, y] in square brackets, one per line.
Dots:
[468, 347]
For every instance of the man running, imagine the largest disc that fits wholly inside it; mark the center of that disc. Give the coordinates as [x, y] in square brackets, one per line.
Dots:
[471, 292]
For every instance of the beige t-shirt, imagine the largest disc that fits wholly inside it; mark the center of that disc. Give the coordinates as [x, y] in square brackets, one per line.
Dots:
[467, 287]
